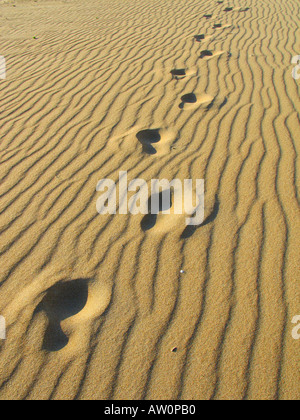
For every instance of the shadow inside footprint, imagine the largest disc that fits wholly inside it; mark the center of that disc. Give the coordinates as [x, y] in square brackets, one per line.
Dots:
[189, 98]
[199, 38]
[206, 53]
[164, 201]
[146, 137]
[148, 222]
[208, 16]
[62, 301]
[228, 9]
[178, 74]
[190, 230]
[218, 25]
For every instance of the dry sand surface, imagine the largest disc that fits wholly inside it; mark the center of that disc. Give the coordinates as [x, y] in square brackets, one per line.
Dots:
[95, 304]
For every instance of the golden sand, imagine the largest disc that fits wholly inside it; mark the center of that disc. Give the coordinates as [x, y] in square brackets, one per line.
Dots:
[95, 304]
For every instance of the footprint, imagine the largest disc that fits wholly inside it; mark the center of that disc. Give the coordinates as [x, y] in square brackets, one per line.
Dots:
[228, 9]
[146, 138]
[208, 16]
[206, 53]
[191, 100]
[149, 221]
[199, 38]
[162, 137]
[62, 301]
[178, 74]
[218, 25]
[172, 212]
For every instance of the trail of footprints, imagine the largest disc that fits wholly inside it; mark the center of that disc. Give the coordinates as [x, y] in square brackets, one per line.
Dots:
[65, 300]
[151, 138]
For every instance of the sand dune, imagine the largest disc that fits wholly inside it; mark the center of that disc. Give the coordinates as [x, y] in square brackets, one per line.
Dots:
[187, 89]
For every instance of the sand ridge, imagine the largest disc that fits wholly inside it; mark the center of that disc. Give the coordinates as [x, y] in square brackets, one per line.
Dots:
[188, 89]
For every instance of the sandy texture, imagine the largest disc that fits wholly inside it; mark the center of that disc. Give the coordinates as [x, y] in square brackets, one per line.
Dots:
[95, 304]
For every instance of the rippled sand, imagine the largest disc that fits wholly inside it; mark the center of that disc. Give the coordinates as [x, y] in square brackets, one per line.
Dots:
[94, 305]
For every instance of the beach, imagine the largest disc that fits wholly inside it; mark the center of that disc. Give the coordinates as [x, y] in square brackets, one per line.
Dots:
[144, 306]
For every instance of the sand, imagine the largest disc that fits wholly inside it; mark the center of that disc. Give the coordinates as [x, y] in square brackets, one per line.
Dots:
[94, 304]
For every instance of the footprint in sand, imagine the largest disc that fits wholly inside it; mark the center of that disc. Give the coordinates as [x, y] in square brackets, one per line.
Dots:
[168, 218]
[147, 138]
[218, 25]
[208, 54]
[149, 221]
[199, 38]
[161, 138]
[178, 74]
[228, 9]
[62, 301]
[171, 214]
[208, 16]
[192, 100]
[189, 98]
